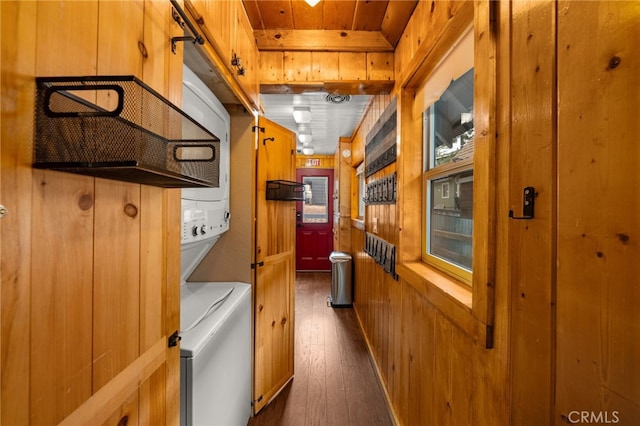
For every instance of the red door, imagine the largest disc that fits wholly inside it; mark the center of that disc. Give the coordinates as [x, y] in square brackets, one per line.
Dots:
[314, 218]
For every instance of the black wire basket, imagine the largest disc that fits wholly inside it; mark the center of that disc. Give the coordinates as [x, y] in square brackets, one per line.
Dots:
[284, 190]
[116, 127]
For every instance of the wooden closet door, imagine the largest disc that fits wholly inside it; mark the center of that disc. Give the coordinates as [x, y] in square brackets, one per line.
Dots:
[90, 267]
[275, 263]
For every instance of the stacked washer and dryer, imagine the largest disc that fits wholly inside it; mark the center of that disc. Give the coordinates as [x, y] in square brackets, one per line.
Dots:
[215, 322]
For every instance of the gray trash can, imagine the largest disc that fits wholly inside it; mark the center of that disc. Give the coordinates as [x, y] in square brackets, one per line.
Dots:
[341, 281]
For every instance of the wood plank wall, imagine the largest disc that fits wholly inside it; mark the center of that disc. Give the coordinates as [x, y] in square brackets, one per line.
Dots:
[598, 212]
[325, 161]
[346, 70]
[89, 273]
[565, 329]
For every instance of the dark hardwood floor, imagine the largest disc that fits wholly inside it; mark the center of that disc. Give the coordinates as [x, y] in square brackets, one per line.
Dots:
[334, 382]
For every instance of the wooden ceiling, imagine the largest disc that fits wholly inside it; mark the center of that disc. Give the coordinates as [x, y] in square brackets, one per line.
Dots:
[332, 25]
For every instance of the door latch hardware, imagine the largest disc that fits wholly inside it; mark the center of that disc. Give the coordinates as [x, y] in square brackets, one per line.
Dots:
[528, 203]
[253, 265]
[174, 339]
[3, 211]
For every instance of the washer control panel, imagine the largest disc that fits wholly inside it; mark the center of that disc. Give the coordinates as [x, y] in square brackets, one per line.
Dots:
[203, 220]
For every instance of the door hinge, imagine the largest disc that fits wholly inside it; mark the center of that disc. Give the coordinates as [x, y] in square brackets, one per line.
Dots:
[174, 339]
[256, 128]
[489, 342]
[253, 265]
[255, 401]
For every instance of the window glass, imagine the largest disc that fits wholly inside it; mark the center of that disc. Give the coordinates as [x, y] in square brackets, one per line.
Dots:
[315, 206]
[361, 190]
[451, 218]
[448, 136]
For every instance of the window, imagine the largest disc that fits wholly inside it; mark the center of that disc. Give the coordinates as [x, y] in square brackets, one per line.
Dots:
[451, 262]
[316, 200]
[361, 189]
[448, 145]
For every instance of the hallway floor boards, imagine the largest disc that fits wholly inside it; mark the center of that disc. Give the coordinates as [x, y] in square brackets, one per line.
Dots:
[334, 382]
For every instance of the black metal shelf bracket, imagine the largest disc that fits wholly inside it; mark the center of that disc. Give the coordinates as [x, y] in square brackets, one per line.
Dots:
[528, 204]
[196, 37]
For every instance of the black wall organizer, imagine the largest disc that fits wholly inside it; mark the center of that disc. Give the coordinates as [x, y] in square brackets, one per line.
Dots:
[285, 190]
[383, 252]
[381, 191]
[117, 127]
[380, 147]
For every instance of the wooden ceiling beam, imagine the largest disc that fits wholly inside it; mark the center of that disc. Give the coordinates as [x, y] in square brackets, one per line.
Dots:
[322, 40]
[352, 87]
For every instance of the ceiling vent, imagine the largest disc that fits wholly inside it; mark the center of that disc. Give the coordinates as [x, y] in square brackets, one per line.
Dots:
[338, 99]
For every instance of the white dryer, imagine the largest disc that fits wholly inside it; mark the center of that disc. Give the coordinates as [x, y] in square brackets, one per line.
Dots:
[215, 317]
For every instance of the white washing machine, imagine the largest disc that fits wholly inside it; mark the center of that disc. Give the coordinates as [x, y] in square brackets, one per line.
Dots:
[215, 351]
[215, 317]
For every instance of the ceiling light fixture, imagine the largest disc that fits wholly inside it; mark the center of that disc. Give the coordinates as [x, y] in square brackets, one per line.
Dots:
[304, 139]
[304, 129]
[312, 3]
[304, 133]
[301, 115]
[307, 150]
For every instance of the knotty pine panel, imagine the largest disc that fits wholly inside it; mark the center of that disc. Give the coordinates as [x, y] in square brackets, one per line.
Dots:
[369, 15]
[61, 296]
[306, 16]
[274, 326]
[218, 18]
[116, 292]
[126, 414]
[297, 66]
[429, 23]
[153, 281]
[247, 51]
[427, 364]
[152, 394]
[275, 252]
[598, 291]
[16, 117]
[161, 67]
[120, 30]
[63, 212]
[271, 66]
[59, 49]
[532, 164]
[323, 66]
[173, 226]
[352, 65]
[338, 14]
[59, 377]
[379, 66]
[389, 26]
[330, 67]
[326, 161]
